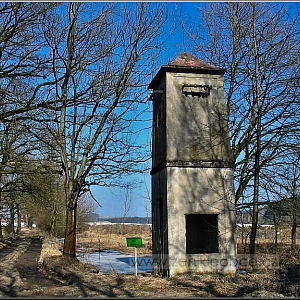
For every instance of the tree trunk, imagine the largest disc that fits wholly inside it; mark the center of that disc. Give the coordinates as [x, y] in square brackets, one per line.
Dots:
[70, 233]
[253, 229]
[256, 85]
[276, 237]
[11, 225]
[19, 221]
[28, 220]
[256, 185]
[1, 231]
[293, 234]
[53, 220]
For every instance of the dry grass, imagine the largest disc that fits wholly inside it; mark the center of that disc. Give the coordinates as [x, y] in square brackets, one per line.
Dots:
[113, 237]
[83, 280]
[266, 235]
[262, 283]
[50, 248]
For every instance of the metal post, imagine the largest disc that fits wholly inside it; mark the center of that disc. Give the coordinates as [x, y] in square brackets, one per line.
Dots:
[135, 260]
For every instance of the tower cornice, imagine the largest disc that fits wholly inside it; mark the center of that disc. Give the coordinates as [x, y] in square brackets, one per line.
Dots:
[186, 63]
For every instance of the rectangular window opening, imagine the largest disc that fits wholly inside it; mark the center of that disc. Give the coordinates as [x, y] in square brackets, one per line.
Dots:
[202, 233]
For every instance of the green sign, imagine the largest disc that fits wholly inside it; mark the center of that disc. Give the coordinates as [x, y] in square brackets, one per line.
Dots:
[134, 242]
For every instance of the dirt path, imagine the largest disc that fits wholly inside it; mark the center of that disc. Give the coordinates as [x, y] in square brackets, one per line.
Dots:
[20, 275]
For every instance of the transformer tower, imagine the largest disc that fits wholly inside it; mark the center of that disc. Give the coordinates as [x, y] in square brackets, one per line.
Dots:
[193, 211]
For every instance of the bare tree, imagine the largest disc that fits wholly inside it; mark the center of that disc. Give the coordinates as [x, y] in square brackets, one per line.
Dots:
[258, 44]
[86, 208]
[288, 196]
[22, 62]
[43, 196]
[22, 66]
[101, 59]
[126, 198]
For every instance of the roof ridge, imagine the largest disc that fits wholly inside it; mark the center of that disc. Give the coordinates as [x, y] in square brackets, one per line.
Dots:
[185, 59]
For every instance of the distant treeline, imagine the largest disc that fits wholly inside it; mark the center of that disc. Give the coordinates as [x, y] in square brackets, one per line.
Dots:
[96, 218]
[139, 220]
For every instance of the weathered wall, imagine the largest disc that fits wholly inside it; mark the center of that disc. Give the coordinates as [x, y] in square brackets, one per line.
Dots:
[160, 245]
[191, 170]
[159, 124]
[196, 126]
[205, 191]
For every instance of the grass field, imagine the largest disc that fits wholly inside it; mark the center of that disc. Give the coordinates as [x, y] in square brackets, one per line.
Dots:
[113, 237]
[282, 282]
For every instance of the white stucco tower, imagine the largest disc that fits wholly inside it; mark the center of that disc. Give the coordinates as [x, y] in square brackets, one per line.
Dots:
[193, 211]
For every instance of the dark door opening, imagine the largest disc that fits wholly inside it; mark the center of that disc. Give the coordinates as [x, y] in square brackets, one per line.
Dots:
[202, 233]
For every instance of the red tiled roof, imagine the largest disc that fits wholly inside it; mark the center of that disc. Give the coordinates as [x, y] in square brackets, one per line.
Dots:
[187, 60]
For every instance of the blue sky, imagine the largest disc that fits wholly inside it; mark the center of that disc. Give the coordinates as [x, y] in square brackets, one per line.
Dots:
[113, 199]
